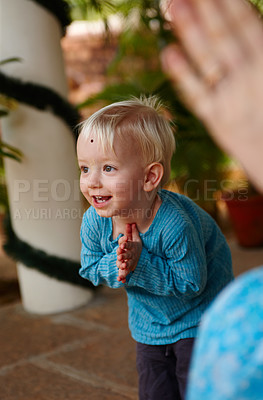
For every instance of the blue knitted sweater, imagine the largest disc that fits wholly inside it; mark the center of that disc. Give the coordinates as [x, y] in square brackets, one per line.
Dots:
[184, 264]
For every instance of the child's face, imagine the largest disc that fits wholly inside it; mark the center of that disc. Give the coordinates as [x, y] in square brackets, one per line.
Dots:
[112, 183]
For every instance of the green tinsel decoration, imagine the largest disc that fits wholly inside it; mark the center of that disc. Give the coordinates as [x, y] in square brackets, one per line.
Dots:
[53, 266]
[60, 9]
[40, 97]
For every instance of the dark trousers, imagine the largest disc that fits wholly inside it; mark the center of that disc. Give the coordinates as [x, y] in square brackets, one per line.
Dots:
[163, 370]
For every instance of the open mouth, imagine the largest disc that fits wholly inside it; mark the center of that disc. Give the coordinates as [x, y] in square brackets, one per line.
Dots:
[101, 199]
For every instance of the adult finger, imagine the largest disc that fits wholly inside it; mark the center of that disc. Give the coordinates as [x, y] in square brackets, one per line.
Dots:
[226, 46]
[192, 32]
[217, 34]
[189, 85]
[245, 23]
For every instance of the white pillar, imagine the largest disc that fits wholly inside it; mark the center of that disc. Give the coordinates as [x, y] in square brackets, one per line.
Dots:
[45, 202]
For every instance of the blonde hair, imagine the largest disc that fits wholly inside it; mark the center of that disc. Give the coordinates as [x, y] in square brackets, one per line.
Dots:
[140, 118]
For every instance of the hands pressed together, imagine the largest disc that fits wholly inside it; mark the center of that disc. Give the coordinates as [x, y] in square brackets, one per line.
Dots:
[128, 252]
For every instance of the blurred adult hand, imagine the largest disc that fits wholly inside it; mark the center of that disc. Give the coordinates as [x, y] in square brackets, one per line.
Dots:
[217, 68]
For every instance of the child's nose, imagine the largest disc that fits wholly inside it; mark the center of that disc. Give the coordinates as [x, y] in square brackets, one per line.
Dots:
[94, 179]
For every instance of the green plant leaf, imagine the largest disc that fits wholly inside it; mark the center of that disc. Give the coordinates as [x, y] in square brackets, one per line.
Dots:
[91, 9]
[258, 4]
[6, 150]
[8, 60]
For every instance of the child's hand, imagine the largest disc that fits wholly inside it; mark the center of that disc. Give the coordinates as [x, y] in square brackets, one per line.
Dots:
[128, 252]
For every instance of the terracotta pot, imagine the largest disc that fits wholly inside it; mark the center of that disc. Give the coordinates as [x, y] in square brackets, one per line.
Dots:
[246, 214]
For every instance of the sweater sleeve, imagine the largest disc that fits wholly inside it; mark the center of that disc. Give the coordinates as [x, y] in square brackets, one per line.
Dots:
[181, 271]
[96, 265]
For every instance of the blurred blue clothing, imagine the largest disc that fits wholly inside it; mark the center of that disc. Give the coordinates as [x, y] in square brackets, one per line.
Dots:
[185, 262]
[228, 357]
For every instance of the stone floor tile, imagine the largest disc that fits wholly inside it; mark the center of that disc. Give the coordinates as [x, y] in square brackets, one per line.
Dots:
[109, 356]
[108, 307]
[23, 335]
[33, 383]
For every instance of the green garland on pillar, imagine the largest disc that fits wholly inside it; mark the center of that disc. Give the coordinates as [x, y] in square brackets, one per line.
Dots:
[43, 99]
[53, 266]
[40, 97]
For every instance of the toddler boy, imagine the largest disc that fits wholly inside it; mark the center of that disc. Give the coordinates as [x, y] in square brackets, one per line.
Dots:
[168, 254]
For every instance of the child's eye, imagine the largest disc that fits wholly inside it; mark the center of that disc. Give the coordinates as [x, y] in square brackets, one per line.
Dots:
[85, 170]
[108, 168]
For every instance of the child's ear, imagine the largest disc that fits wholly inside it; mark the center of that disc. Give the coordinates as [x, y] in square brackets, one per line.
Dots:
[153, 176]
